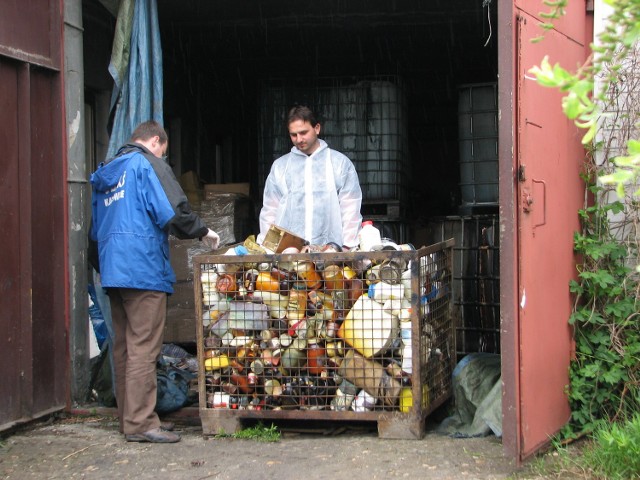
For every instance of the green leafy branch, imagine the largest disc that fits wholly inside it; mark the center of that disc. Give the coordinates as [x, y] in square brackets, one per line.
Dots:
[615, 43]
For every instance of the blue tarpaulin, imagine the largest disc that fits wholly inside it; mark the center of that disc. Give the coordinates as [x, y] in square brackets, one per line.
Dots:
[136, 68]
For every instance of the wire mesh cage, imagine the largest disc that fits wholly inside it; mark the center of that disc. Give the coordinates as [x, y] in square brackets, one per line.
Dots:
[365, 118]
[475, 281]
[345, 336]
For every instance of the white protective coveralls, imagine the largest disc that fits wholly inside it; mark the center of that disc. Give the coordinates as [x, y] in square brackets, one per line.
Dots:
[317, 197]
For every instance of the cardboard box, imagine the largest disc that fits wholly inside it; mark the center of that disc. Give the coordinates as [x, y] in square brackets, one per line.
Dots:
[277, 239]
[211, 188]
[180, 325]
[181, 253]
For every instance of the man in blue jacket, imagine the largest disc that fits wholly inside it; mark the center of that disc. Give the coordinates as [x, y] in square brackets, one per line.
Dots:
[136, 203]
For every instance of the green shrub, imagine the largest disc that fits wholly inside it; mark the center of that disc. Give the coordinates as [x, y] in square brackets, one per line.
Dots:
[604, 374]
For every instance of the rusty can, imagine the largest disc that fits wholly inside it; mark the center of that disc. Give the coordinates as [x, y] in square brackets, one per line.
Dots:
[242, 382]
[316, 357]
[333, 278]
[226, 284]
[237, 365]
[355, 289]
[297, 306]
[308, 277]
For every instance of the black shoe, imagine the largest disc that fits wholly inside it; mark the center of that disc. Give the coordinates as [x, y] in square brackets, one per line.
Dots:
[157, 435]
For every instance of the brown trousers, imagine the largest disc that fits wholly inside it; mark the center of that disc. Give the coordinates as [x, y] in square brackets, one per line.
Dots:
[138, 325]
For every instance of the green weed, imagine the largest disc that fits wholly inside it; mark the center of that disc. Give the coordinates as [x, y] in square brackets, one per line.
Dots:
[615, 451]
[259, 433]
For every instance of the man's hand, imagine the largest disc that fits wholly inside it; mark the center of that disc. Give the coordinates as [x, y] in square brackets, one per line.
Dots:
[212, 239]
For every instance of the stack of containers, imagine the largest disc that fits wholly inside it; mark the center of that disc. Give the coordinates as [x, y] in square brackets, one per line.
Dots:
[478, 142]
[366, 119]
[364, 335]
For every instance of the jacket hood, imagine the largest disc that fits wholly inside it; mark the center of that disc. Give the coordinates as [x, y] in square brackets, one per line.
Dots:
[109, 172]
[108, 175]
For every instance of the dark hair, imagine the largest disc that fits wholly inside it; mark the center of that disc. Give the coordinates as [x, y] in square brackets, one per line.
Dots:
[147, 130]
[301, 112]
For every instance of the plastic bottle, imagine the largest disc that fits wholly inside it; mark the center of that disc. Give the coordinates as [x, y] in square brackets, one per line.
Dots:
[369, 236]
[407, 354]
[382, 291]
[238, 250]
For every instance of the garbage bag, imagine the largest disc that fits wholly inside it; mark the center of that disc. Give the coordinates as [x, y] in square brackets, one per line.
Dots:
[477, 394]
[101, 383]
[173, 387]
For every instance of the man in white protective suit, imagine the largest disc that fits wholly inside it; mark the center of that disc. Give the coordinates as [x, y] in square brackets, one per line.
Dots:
[312, 191]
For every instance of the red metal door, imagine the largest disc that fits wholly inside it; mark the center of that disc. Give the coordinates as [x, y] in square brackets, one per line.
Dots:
[33, 272]
[548, 159]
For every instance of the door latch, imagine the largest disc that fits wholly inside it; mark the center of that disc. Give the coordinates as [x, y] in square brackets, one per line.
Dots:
[521, 175]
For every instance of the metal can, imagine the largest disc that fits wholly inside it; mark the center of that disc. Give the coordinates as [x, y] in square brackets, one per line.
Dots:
[292, 360]
[257, 367]
[333, 278]
[316, 357]
[390, 271]
[308, 277]
[273, 387]
[226, 284]
[297, 306]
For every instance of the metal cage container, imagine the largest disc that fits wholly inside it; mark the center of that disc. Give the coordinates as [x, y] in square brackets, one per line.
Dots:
[335, 336]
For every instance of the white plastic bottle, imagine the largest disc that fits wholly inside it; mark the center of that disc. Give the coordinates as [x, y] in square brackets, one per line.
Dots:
[382, 291]
[369, 236]
[238, 250]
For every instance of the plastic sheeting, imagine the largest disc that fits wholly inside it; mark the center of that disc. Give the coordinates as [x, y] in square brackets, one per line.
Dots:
[477, 391]
[136, 68]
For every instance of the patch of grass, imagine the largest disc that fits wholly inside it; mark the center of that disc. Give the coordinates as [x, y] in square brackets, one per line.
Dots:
[561, 461]
[259, 433]
[615, 451]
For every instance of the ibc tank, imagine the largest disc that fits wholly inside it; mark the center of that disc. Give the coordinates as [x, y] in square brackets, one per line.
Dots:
[478, 143]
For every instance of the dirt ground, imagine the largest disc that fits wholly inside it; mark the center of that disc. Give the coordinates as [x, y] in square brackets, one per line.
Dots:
[90, 447]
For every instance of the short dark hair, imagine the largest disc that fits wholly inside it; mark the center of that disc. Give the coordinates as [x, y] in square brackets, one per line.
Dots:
[147, 130]
[301, 112]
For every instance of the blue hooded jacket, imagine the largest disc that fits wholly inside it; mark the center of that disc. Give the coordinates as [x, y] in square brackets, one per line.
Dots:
[132, 216]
